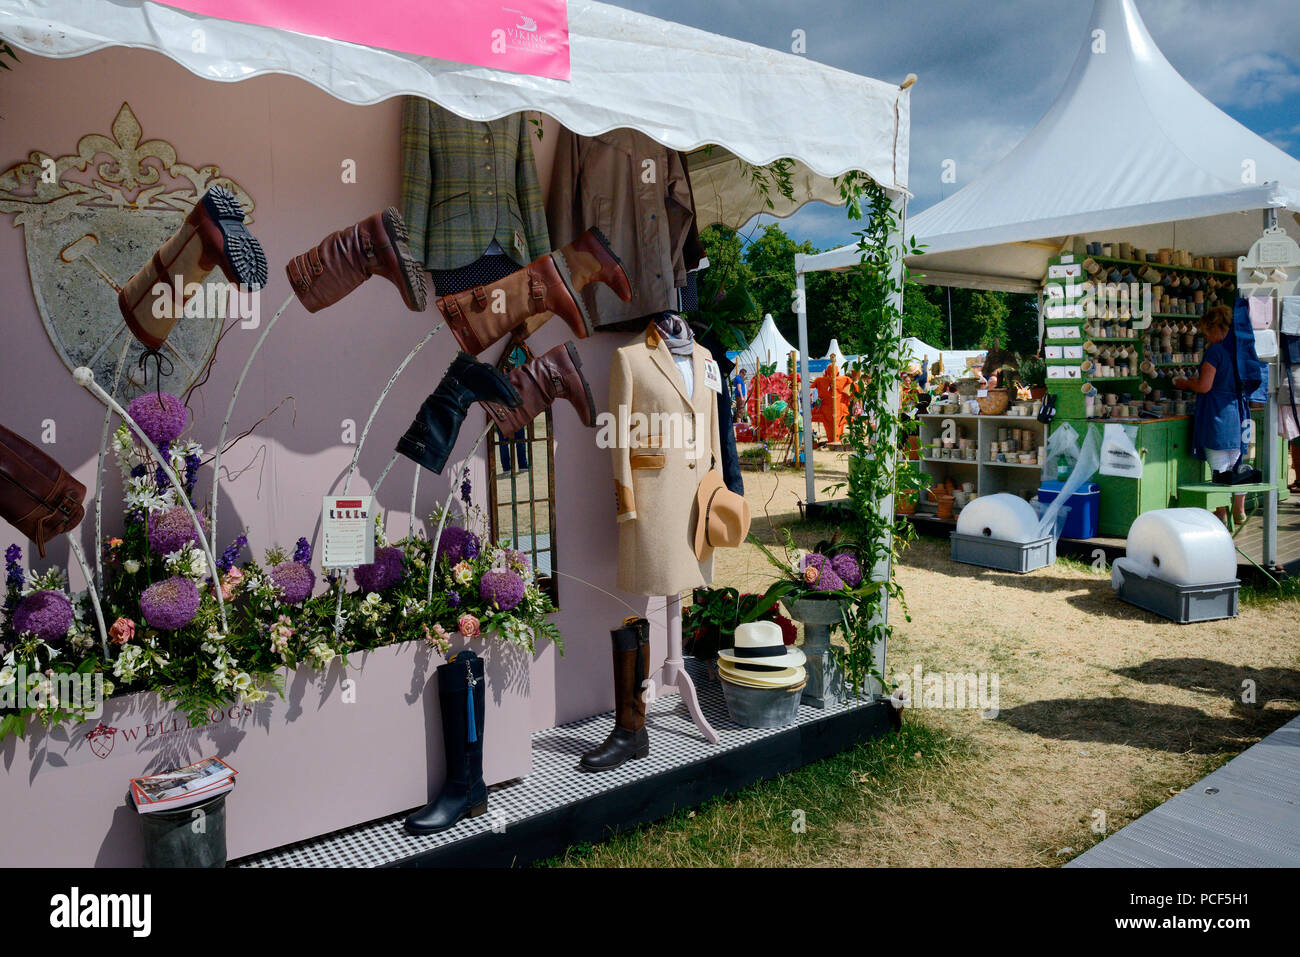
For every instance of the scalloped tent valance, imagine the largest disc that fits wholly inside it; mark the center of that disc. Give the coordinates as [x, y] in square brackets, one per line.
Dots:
[684, 87]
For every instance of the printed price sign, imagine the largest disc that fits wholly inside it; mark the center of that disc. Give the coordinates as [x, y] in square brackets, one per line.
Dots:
[348, 530]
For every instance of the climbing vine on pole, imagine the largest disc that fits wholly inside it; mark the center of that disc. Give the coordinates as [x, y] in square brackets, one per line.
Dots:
[877, 472]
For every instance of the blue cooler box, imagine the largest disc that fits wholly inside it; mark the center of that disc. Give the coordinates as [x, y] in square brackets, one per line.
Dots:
[1085, 508]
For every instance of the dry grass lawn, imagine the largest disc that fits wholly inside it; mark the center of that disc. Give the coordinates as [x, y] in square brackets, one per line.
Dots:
[1104, 710]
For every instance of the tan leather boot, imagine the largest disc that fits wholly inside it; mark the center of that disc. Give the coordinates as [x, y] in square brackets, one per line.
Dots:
[553, 375]
[213, 235]
[547, 286]
[343, 260]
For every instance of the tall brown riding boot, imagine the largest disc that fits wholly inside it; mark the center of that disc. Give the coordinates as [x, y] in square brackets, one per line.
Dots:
[548, 285]
[345, 259]
[1295, 465]
[213, 235]
[540, 381]
[629, 739]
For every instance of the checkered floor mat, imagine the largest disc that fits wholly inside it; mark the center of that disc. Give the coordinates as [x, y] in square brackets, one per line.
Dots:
[555, 780]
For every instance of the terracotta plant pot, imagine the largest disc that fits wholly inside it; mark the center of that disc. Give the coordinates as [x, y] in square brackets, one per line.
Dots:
[1037, 393]
[945, 506]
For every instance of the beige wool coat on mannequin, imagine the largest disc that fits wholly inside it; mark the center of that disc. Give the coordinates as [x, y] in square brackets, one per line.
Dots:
[665, 440]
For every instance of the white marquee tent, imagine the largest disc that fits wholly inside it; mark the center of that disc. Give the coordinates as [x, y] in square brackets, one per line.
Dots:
[767, 346]
[954, 360]
[834, 352]
[1167, 168]
[683, 87]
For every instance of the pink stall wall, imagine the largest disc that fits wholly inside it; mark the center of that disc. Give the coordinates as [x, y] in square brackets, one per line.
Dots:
[284, 141]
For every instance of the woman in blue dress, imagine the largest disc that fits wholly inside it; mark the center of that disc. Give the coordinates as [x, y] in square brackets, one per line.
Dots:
[1218, 436]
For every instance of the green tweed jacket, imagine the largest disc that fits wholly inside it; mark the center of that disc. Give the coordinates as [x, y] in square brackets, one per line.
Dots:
[466, 183]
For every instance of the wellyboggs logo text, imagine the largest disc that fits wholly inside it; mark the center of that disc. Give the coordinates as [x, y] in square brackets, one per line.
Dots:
[102, 740]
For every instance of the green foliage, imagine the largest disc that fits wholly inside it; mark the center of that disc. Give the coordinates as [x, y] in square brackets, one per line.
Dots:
[922, 318]
[876, 471]
[710, 622]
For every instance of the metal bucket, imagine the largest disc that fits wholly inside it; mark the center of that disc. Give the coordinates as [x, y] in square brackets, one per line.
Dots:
[762, 707]
[193, 836]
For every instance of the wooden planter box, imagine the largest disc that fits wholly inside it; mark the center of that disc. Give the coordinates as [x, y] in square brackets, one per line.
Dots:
[343, 746]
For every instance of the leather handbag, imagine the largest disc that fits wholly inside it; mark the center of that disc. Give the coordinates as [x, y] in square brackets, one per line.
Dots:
[37, 496]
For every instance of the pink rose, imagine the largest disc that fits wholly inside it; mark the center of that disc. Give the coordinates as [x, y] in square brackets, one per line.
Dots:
[810, 575]
[123, 630]
[468, 626]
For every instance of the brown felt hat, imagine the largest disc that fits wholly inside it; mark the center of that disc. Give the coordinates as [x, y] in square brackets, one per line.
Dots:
[723, 520]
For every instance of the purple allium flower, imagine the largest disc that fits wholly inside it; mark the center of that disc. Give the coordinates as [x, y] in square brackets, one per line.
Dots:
[503, 589]
[457, 544]
[828, 578]
[170, 605]
[45, 614]
[302, 553]
[384, 572]
[172, 530]
[161, 416]
[231, 554]
[295, 581]
[846, 566]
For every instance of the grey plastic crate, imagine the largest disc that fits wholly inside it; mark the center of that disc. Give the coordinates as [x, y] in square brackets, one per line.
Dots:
[1005, 556]
[1181, 603]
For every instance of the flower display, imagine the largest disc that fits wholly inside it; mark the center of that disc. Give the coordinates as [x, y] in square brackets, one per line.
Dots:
[820, 574]
[457, 544]
[171, 604]
[161, 416]
[383, 573]
[846, 566]
[172, 530]
[122, 631]
[468, 626]
[45, 614]
[294, 580]
[501, 589]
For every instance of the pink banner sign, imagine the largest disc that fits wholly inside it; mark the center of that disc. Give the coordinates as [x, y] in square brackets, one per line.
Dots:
[521, 36]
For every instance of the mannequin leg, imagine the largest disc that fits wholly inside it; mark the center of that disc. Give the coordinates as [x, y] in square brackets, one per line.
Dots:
[674, 670]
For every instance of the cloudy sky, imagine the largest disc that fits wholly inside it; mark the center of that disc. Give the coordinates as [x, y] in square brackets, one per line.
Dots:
[989, 69]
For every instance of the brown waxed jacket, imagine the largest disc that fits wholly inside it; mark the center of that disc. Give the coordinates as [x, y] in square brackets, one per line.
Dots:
[638, 194]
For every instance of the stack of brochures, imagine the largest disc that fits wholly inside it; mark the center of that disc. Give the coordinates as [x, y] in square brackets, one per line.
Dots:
[184, 787]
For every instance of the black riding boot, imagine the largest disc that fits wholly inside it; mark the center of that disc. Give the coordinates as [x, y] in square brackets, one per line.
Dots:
[460, 693]
[433, 433]
[631, 669]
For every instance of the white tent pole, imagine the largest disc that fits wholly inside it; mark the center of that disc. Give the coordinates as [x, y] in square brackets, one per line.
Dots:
[898, 203]
[1269, 532]
[805, 401]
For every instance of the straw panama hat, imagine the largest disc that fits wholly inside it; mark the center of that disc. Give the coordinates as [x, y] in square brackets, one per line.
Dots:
[723, 520]
[760, 643]
[777, 678]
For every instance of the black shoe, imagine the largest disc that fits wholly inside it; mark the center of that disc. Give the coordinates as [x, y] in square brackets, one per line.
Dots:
[1242, 474]
[463, 793]
[434, 431]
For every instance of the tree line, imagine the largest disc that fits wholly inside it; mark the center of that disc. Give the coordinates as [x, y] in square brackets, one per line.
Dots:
[751, 276]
